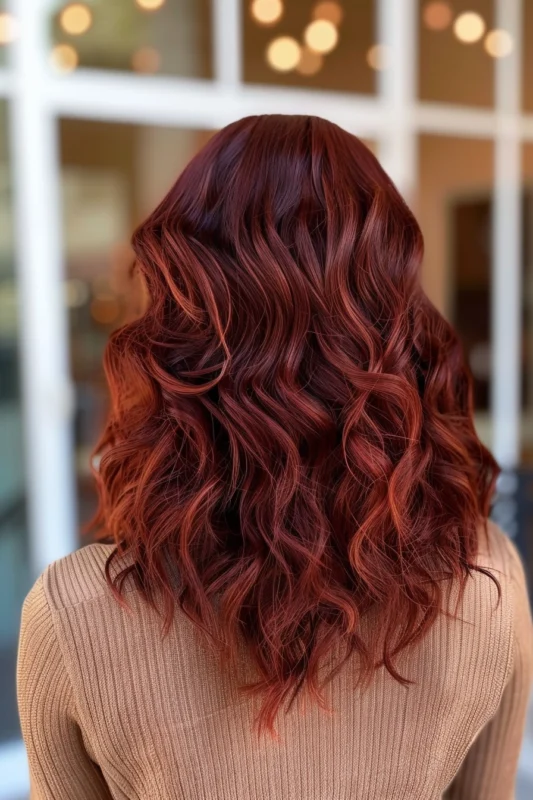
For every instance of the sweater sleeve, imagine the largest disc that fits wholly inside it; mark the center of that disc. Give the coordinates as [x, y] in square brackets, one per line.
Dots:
[489, 770]
[60, 768]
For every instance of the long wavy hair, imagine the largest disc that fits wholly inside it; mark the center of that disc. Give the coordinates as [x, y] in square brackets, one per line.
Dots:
[290, 428]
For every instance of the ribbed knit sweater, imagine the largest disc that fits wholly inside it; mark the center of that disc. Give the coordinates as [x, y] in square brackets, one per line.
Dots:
[110, 709]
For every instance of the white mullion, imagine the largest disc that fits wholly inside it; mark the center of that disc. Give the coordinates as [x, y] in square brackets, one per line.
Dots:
[227, 42]
[506, 258]
[397, 33]
[46, 388]
[6, 83]
[163, 100]
[179, 102]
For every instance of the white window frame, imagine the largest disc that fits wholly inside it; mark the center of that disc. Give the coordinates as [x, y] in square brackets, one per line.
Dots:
[394, 117]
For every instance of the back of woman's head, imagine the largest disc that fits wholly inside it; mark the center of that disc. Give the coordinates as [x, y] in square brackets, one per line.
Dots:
[291, 419]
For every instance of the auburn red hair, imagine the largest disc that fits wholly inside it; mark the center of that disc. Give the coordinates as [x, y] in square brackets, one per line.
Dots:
[291, 425]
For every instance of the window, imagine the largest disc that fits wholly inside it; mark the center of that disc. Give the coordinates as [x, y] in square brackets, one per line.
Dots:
[102, 103]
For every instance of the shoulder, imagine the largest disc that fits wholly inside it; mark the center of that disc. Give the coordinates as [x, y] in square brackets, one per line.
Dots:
[511, 616]
[489, 613]
[497, 552]
[498, 555]
[76, 578]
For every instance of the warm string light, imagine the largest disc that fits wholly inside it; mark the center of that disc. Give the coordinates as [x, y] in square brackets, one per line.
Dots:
[469, 27]
[321, 36]
[76, 19]
[104, 309]
[310, 62]
[437, 16]
[8, 28]
[146, 59]
[330, 11]
[377, 57]
[498, 43]
[64, 58]
[266, 12]
[150, 5]
[283, 53]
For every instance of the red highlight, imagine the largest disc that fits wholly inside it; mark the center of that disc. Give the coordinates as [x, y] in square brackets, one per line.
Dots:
[291, 418]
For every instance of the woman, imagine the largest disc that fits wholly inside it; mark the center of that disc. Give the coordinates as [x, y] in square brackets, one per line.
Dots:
[300, 595]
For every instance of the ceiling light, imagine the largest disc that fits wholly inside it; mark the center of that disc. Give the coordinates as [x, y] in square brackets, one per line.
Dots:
[437, 16]
[329, 10]
[266, 12]
[75, 19]
[321, 36]
[283, 54]
[469, 27]
[499, 43]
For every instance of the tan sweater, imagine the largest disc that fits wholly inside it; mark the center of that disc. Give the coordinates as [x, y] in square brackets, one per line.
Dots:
[109, 710]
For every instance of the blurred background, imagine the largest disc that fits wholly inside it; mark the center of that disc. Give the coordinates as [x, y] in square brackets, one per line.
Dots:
[103, 102]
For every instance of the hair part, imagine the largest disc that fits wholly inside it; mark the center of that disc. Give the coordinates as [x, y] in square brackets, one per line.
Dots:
[291, 423]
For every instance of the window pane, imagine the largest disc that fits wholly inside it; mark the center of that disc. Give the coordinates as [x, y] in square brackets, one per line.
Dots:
[527, 337]
[14, 573]
[527, 62]
[112, 176]
[454, 208]
[524, 477]
[454, 66]
[7, 31]
[276, 53]
[172, 37]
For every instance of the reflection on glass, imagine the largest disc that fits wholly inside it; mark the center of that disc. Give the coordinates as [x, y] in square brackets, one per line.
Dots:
[112, 176]
[454, 208]
[325, 45]
[455, 44]
[14, 574]
[172, 37]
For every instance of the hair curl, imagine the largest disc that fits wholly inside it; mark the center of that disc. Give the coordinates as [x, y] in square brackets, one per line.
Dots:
[291, 425]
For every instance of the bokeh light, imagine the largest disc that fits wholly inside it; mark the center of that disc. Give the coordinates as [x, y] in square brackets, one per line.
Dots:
[499, 43]
[437, 16]
[76, 292]
[76, 19]
[377, 57]
[310, 62]
[64, 58]
[150, 5]
[146, 59]
[267, 12]
[329, 10]
[8, 28]
[283, 54]
[321, 36]
[469, 27]
[105, 309]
